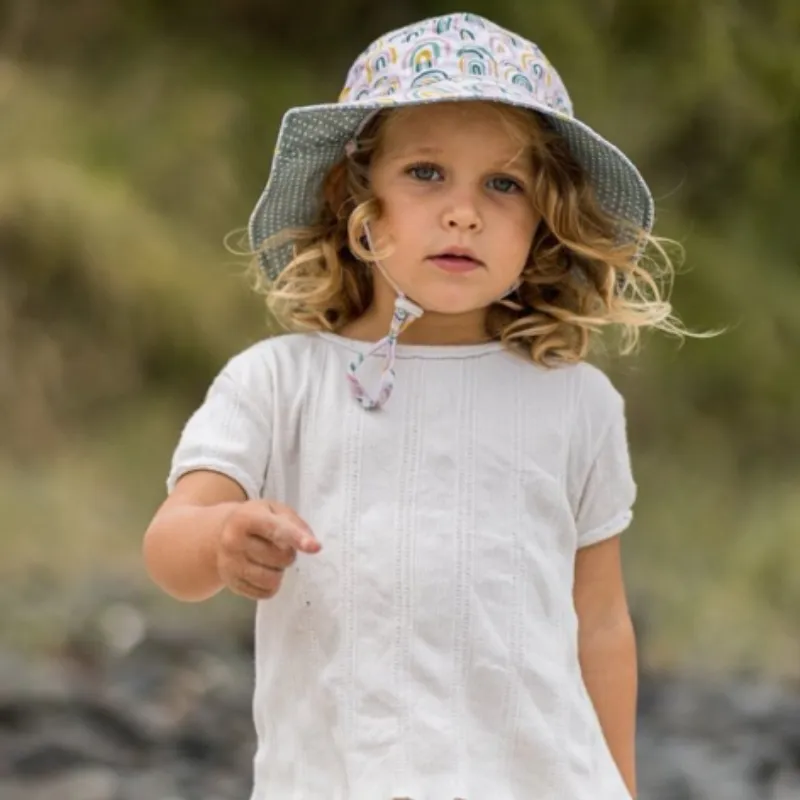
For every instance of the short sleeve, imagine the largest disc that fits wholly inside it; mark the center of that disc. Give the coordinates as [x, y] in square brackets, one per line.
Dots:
[230, 432]
[606, 490]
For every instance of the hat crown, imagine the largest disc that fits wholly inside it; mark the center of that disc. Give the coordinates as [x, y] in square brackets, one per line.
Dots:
[460, 55]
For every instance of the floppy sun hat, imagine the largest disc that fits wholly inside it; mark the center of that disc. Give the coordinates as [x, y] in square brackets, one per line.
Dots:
[457, 57]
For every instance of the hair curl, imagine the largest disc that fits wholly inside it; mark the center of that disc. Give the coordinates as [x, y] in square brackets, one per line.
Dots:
[584, 271]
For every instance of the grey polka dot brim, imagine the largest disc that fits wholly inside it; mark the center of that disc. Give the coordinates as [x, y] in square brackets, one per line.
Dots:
[312, 139]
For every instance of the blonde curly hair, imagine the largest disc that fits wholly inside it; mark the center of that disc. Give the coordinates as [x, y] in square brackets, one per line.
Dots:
[585, 271]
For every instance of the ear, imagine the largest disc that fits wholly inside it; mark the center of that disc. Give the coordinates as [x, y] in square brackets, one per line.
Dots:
[366, 238]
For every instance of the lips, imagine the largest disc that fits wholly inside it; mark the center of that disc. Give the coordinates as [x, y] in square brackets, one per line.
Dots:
[459, 254]
[457, 259]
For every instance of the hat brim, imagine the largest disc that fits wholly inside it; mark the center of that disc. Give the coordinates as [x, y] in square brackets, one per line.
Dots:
[312, 139]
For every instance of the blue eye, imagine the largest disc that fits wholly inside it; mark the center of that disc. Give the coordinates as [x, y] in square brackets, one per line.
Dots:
[506, 185]
[424, 172]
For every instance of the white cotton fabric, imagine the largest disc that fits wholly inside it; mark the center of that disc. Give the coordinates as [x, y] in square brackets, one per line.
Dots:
[429, 651]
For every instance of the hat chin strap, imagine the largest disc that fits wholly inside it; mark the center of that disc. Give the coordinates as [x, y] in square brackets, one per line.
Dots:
[414, 308]
[405, 312]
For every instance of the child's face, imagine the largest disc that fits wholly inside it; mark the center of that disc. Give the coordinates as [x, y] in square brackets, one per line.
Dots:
[451, 177]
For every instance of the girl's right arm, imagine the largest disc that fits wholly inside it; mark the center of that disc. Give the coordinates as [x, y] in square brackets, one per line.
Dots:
[207, 535]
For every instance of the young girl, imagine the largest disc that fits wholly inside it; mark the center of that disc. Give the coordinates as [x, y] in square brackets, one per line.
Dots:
[430, 524]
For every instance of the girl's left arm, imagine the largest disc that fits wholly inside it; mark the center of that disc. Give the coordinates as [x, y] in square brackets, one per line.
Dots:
[607, 649]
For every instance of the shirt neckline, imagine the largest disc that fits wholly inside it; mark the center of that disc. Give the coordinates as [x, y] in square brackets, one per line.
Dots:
[452, 351]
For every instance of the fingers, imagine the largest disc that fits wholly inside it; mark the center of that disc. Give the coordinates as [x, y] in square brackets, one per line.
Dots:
[271, 523]
[282, 526]
[252, 591]
[250, 579]
[261, 578]
[258, 542]
[288, 511]
[260, 551]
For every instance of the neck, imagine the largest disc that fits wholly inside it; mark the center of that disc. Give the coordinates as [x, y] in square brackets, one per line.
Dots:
[430, 329]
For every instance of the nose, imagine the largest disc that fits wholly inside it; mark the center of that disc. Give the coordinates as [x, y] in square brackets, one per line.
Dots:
[462, 213]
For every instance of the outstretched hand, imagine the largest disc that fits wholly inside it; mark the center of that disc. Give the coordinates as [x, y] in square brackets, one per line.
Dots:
[258, 541]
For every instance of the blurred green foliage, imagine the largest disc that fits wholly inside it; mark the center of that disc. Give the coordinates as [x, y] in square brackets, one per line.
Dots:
[136, 134]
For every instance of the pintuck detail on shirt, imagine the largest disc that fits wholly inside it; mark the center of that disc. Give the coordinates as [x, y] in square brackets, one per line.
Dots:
[429, 651]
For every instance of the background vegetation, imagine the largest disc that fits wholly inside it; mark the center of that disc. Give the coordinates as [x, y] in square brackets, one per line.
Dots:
[135, 134]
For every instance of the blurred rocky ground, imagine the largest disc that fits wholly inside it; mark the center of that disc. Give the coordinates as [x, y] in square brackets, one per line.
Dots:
[128, 710]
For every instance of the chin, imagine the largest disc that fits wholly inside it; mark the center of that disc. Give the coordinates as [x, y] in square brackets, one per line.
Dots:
[452, 302]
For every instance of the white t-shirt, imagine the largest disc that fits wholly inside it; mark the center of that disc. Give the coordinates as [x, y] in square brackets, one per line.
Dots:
[429, 651]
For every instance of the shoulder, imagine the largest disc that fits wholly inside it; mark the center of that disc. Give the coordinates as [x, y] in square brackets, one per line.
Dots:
[599, 411]
[587, 400]
[580, 387]
[596, 391]
[259, 361]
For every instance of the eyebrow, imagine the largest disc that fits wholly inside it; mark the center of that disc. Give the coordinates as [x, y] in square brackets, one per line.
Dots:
[424, 150]
[516, 163]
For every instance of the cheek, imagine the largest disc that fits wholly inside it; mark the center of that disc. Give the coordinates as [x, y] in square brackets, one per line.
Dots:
[526, 223]
[525, 217]
[519, 227]
[399, 220]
